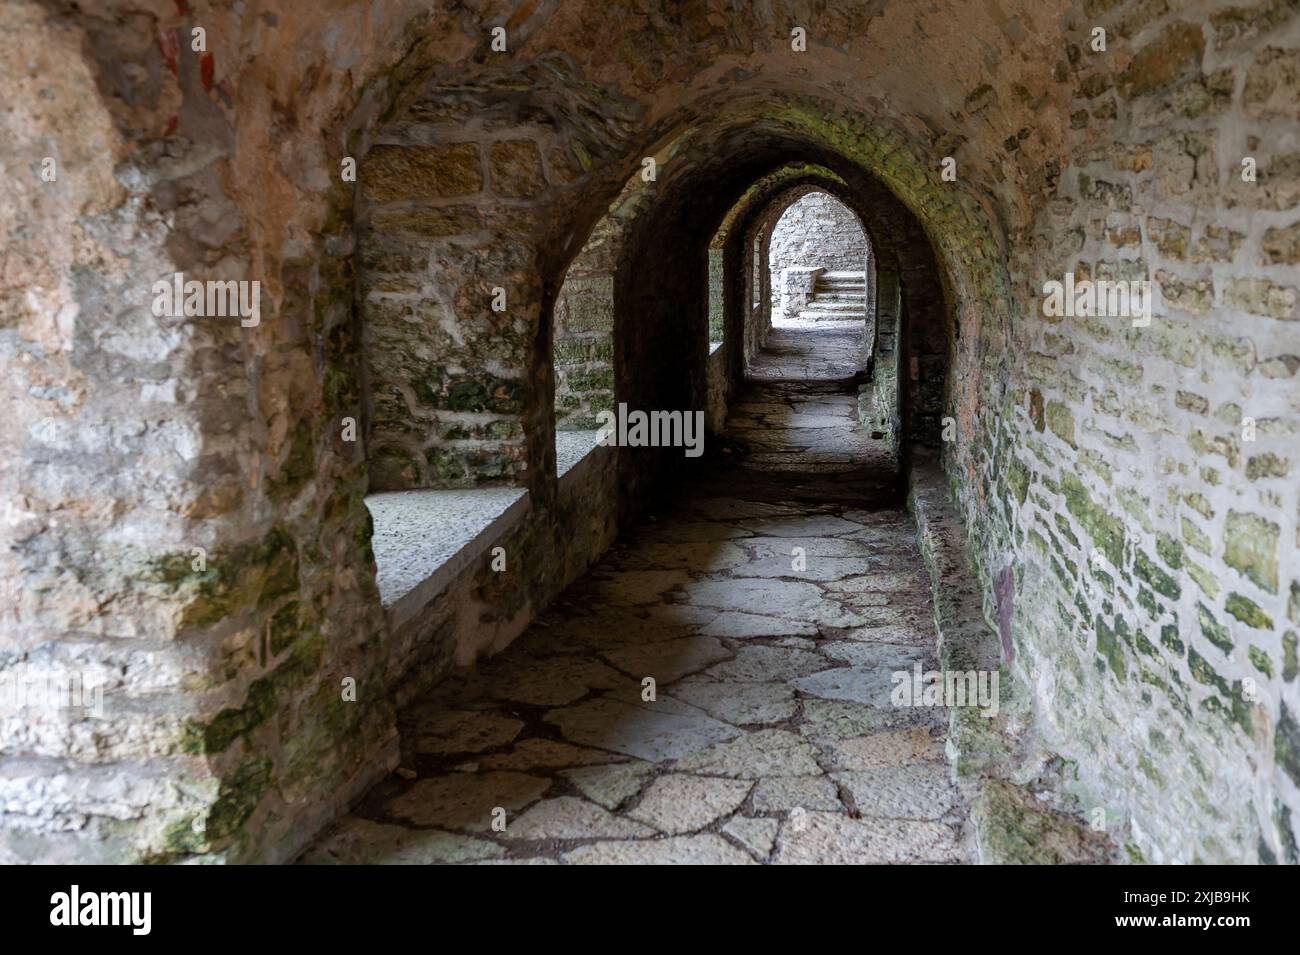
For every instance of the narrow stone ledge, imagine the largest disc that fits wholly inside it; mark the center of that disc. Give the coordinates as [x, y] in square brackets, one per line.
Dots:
[574, 448]
[424, 539]
[461, 573]
[1012, 822]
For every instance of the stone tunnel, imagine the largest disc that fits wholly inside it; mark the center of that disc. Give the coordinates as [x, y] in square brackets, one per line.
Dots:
[650, 432]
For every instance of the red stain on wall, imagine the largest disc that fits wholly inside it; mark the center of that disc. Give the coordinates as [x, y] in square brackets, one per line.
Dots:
[207, 68]
[1004, 588]
[171, 50]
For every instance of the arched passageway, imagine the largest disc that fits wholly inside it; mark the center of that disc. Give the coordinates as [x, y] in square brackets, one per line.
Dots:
[694, 684]
[305, 547]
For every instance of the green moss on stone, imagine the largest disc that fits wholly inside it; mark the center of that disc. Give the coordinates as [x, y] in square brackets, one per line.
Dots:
[1243, 710]
[1203, 672]
[265, 695]
[332, 727]
[1204, 579]
[1147, 601]
[1063, 526]
[1286, 744]
[284, 627]
[1170, 551]
[1015, 828]
[1248, 612]
[1251, 545]
[1107, 531]
[1066, 578]
[185, 836]
[1061, 420]
[278, 554]
[1169, 637]
[447, 467]
[1196, 538]
[1267, 466]
[239, 795]
[1286, 833]
[1199, 503]
[1123, 631]
[1106, 581]
[467, 394]
[1149, 770]
[249, 575]
[232, 723]
[602, 380]
[191, 738]
[1018, 479]
[1111, 650]
[1137, 507]
[1144, 568]
[1214, 631]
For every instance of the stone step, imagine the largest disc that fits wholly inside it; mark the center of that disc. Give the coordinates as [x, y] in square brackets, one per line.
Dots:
[813, 315]
[840, 280]
[837, 296]
[835, 305]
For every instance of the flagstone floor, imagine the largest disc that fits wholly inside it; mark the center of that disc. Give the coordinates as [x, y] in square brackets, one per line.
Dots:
[770, 608]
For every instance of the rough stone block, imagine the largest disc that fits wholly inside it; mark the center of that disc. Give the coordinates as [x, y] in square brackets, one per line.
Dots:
[1250, 544]
[517, 169]
[413, 172]
[1261, 297]
[1273, 85]
[1167, 58]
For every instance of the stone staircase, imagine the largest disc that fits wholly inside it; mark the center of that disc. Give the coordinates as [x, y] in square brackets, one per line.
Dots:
[837, 296]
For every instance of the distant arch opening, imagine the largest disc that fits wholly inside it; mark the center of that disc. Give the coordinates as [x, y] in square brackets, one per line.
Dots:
[817, 262]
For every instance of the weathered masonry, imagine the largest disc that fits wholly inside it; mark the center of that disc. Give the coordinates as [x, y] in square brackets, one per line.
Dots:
[474, 229]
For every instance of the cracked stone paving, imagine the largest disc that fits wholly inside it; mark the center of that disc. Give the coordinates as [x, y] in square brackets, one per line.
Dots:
[771, 737]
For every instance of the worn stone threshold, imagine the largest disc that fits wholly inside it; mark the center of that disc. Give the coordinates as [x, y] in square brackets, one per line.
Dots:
[1017, 816]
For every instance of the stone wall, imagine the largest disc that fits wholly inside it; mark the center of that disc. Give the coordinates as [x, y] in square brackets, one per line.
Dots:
[584, 321]
[717, 306]
[584, 350]
[878, 404]
[1146, 496]
[453, 192]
